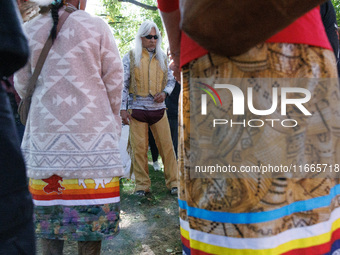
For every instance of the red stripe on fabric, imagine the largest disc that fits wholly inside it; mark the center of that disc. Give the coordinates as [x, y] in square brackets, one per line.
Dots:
[168, 5]
[185, 242]
[75, 197]
[313, 250]
[198, 252]
[75, 191]
[317, 249]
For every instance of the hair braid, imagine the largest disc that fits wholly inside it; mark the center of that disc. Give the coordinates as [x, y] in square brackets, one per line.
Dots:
[55, 16]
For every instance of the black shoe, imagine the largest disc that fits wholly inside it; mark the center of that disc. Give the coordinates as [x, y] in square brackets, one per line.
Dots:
[174, 191]
[140, 193]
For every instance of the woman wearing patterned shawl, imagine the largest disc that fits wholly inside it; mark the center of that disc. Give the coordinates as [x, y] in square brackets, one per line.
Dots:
[71, 138]
[294, 212]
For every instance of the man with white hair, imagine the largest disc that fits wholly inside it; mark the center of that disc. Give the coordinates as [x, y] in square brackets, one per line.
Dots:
[147, 82]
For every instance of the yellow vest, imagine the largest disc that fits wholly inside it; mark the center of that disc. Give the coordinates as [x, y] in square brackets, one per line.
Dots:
[148, 78]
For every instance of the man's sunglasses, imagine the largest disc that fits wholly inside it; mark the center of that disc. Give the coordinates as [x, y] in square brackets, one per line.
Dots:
[149, 37]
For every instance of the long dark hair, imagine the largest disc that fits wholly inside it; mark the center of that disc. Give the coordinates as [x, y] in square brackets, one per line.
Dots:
[55, 16]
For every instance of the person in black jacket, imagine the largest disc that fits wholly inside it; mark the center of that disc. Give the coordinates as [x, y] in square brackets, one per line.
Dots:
[16, 207]
[328, 17]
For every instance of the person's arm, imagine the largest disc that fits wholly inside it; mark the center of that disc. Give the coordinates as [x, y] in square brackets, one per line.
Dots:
[171, 20]
[123, 107]
[170, 85]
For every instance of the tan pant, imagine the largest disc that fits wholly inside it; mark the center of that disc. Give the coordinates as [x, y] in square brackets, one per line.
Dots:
[139, 144]
[55, 247]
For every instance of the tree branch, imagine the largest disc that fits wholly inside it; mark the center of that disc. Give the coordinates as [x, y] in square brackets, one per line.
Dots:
[128, 41]
[145, 6]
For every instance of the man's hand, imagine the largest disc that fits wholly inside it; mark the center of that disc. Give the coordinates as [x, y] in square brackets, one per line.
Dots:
[175, 70]
[159, 97]
[125, 117]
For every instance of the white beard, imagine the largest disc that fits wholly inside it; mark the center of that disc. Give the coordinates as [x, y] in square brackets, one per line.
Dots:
[151, 49]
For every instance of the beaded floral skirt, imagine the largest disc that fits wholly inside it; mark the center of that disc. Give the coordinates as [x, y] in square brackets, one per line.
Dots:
[76, 209]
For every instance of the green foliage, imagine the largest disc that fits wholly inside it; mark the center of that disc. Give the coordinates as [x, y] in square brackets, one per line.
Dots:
[336, 4]
[125, 18]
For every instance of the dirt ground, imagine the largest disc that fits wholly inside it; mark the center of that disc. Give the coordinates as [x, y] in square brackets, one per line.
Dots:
[148, 226]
